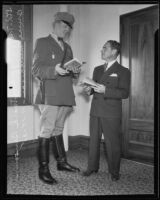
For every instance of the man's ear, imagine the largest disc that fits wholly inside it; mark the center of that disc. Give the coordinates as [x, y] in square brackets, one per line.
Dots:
[114, 51]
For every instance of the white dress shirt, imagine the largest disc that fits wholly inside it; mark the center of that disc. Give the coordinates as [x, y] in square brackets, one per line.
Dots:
[109, 64]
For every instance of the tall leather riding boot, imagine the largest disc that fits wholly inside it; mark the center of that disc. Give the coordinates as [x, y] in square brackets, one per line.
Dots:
[60, 155]
[43, 155]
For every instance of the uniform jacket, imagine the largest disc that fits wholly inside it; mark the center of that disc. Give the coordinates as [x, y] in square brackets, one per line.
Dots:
[52, 89]
[117, 88]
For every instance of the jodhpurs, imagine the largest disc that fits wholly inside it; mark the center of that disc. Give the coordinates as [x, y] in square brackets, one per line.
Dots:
[52, 119]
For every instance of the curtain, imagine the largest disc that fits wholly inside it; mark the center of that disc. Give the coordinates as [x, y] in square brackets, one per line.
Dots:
[13, 21]
[13, 25]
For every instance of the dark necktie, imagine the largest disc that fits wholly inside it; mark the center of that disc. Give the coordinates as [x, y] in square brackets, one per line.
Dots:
[60, 39]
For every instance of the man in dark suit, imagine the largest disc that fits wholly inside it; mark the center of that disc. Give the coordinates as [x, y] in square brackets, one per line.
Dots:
[113, 84]
[55, 96]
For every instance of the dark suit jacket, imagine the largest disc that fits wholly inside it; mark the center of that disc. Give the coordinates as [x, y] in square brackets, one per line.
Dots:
[52, 89]
[117, 88]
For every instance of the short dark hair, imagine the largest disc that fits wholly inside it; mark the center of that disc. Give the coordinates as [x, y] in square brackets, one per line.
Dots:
[115, 45]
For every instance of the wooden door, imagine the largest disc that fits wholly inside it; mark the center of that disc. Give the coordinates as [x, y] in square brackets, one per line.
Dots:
[137, 37]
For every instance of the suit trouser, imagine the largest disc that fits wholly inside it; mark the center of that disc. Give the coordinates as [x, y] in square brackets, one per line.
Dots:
[111, 128]
[52, 119]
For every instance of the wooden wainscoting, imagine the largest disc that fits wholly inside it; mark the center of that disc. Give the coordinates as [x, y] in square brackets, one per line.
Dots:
[82, 142]
[136, 149]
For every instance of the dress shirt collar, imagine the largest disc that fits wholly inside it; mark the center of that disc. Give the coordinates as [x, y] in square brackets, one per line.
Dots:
[54, 36]
[109, 64]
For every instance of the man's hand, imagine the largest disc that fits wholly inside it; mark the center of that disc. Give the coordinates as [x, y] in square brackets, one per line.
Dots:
[75, 70]
[60, 71]
[99, 88]
[87, 89]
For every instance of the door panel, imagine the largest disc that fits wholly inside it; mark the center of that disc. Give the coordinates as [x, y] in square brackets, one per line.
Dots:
[137, 53]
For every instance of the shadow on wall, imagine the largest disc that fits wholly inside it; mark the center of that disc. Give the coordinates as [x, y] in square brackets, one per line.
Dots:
[80, 92]
[84, 96]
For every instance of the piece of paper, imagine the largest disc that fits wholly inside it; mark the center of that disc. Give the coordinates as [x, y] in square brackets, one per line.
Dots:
[88, 82]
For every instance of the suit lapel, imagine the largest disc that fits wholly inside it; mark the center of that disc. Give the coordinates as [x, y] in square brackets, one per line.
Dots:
[53, 42]
[112, 69]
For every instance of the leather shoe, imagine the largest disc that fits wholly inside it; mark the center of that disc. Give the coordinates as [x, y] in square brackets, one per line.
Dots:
[89, 172]
[67, 167]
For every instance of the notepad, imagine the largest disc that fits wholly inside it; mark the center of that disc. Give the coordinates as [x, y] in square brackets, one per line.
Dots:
[88, 82]
[72, 65]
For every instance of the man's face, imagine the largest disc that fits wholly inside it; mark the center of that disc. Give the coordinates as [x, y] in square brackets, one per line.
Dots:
[62, 29]
[107, 52]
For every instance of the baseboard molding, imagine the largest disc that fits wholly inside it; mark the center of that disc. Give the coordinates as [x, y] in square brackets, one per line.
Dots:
[81, 141]
[141, 151]
[23, 147]
[74, 142]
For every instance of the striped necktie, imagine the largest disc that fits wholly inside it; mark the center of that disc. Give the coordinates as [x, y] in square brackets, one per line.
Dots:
[105, 66]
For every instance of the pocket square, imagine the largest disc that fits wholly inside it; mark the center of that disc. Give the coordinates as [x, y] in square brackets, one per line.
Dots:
[113, 75]
[53, 56]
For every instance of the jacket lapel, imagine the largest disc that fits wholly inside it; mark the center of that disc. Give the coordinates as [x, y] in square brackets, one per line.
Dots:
[112, 69]
[53, 42]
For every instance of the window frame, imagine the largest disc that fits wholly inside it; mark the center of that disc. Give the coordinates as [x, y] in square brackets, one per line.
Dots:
[26, 98]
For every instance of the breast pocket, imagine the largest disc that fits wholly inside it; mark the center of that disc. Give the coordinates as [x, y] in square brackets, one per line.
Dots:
[111, 82]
